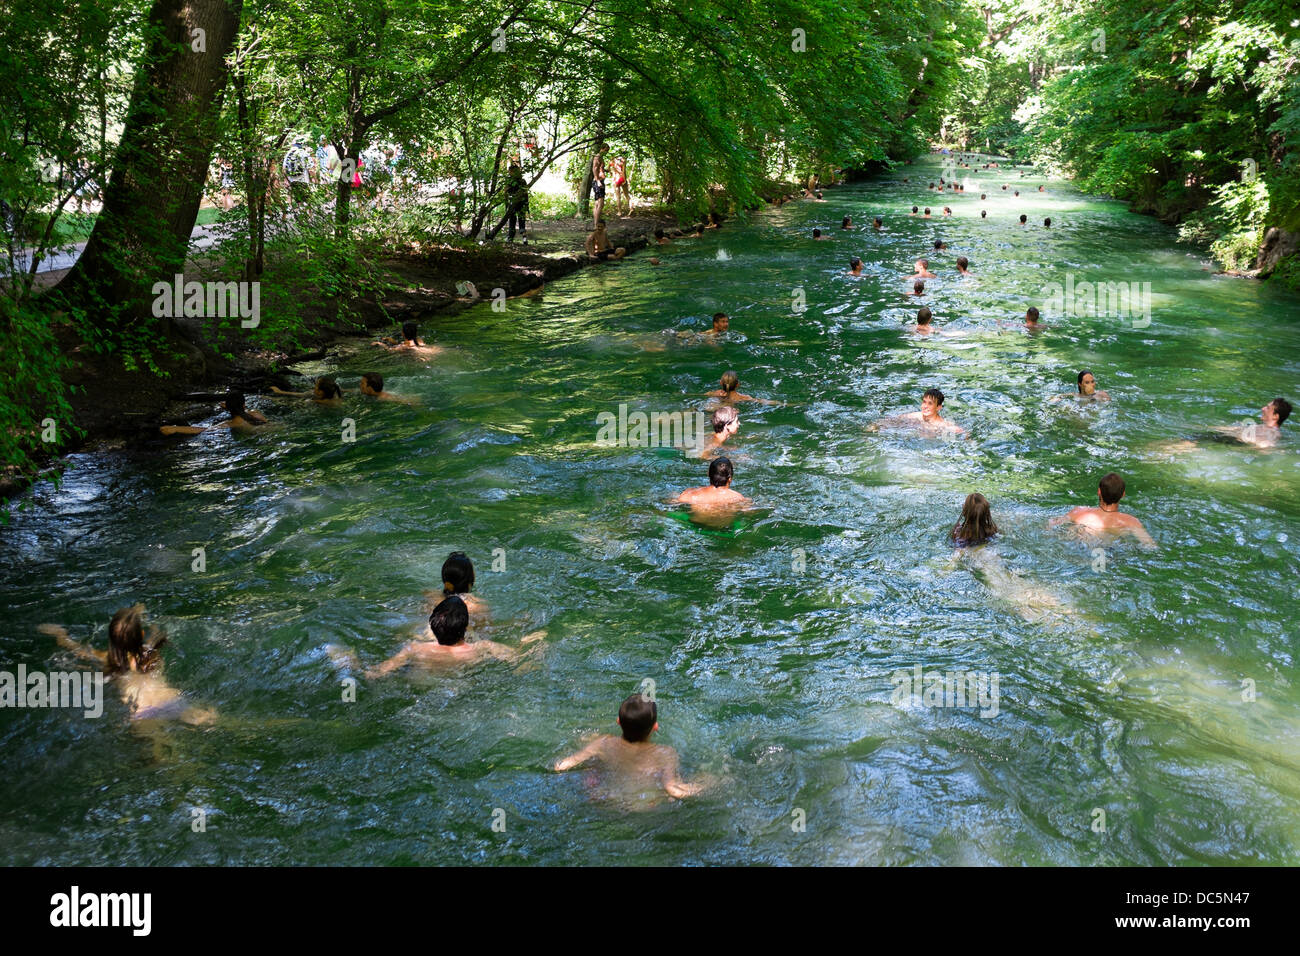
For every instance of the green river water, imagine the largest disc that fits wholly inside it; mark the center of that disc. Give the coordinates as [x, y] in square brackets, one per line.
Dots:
[772, 646]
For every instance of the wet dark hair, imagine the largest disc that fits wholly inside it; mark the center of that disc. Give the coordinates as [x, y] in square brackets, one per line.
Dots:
[637, 717]
[374, 380]
[410, 331]
[947, 209]
[816, 233]
[1111, 488]
[235, 403]
[1283, 409]
[457, 574]
[1048, 222]
[719, 315]
[1080, 379]
[720, 472]
[449, 620]
[1024, 218]
[927, 210]
[976, 525]
[924, 315]
[914, 209]
[918, 286]
[1032, 313]
[854, 262]
[844, 223]
[984, 213]
[330, 387]
[931, 185]
[722, 417]
[984, 195]
[730, 381]
[935, 394]
[126, 642]
[963, 262]
[877, 221]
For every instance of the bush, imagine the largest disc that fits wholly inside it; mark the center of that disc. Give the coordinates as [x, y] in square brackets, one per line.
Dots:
[551, 206]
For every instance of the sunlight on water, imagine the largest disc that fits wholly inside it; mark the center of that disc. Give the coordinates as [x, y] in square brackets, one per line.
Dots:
[774, 642]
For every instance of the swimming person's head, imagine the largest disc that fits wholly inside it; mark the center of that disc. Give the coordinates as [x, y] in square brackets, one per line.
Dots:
[1048, 222]
[1023, 219]
[947, 210]
[819, 194]
[817, 233]
[915, 209]
[730, 381]
[976, 525]
[984, 195]
[1087, 383]
[372, 383]
[638, 717]
[922, 265]
[1031, 315]
[720, 472]
[1280, 409]
[449, 620]
[235, 403]
[918, 287]
[410, 331]
[855, 264]
[126, 643]
[927, 210]
[846, 222]
[931, 404]
[924, 315]
[457, 574]
[984, 213]
[721, 322]
[963, 263]
[724, 418]
[877, 222]
[1017, 192]
[931, 186]
[1111, 489]
[327, 388]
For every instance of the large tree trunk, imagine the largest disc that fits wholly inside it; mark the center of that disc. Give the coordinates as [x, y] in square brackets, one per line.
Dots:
[153, 197]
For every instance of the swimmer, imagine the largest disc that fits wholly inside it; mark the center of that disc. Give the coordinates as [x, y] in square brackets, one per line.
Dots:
[846, 222]
[1040, 189]
[1106, 516]
[447, 624]
[855, 266]
[721, 322]
[923, 319]
[928, 419]
[963, 266]
[984, 213]
[1018, 191]
[818, 196]
[922, 267]
[877, 224]
[662, 239]
[728, 393]
[914, 211]
[241, 419]
[372, 385]
[927, 213]
[976, 525]
[133, 664]
[326, 392]
[726, 422]
[817, 234]
[1024, 220]
[1087, 384]
[1047, 223]
[984, 195]
[918, 288]
[458, 579]
[632, 756]
[718, 493]
[654, 260]
[947, 211]
[599, 248]
[940, 245]
[1265, 435]
[1031, 321]
[410, 342]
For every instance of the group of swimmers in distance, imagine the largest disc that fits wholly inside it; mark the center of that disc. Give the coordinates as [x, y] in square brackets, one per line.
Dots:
[457, 629]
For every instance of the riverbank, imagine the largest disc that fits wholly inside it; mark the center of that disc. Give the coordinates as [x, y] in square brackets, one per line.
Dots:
[113, 405]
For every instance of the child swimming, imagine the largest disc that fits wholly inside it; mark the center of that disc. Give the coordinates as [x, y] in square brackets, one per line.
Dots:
[729, 392]
[134, 665]
[632, 757]
[458, 579]
[447, 625]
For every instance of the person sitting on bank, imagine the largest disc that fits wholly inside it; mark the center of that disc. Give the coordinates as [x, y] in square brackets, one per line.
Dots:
[599, 247]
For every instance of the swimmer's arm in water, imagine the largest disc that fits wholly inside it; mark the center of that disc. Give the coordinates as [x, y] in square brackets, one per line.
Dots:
[1143, 537]
[582, 756]
[673, 783]
[396, 662]
[282, 392]
[187, 429]
[60, 635]
[1069, 516]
